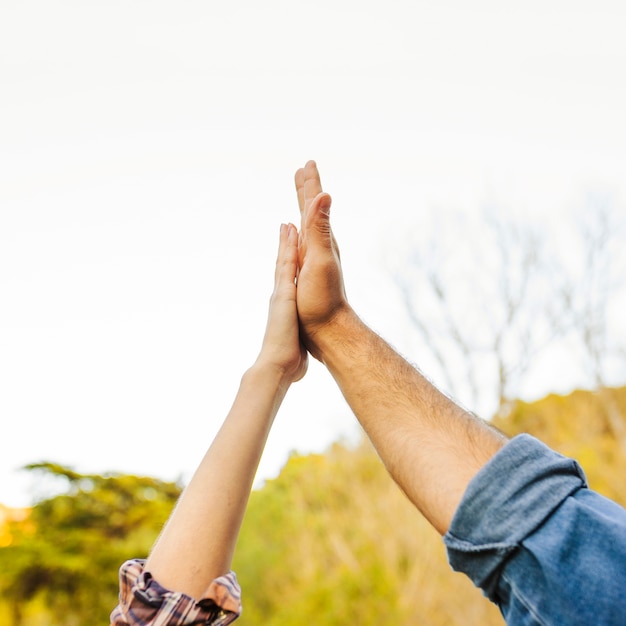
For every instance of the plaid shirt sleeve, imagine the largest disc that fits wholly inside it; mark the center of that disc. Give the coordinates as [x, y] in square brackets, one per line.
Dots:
[144, 602]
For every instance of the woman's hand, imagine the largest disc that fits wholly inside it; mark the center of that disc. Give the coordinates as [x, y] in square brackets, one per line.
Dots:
[282, 348]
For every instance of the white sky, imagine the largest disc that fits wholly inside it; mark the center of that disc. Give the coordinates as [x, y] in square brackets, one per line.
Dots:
[147, 150]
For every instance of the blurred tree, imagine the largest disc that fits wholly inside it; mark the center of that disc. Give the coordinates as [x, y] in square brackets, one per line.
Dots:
[490, 299]
[333, 540]
[68, 552]
[575, 425]
[593, 301]
[479, 305]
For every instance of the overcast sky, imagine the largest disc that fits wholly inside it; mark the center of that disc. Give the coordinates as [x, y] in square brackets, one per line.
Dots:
[147, 152]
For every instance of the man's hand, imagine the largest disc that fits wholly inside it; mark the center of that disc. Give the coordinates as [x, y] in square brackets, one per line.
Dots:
[282, 348]
[320, 294]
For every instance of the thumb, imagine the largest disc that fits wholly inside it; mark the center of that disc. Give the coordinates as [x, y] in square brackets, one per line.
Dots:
[318, 228]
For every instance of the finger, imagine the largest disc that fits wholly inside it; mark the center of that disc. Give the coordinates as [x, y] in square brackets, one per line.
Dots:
[317, 222]
[282, 242]
[286, 261]
[299, 179]
[312, 183]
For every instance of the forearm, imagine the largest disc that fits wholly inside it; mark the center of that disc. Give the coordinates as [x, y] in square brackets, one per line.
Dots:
[430, 446]
[199, 539]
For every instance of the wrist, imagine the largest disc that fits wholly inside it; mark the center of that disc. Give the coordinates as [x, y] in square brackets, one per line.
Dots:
[334, 335]
[268, 374]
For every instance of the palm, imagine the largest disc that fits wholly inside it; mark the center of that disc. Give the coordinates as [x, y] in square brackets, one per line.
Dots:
[320, 288]
[320, 283]
[281, 344]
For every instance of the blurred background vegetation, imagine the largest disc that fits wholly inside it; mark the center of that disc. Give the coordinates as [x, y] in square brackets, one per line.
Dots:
[330, 541]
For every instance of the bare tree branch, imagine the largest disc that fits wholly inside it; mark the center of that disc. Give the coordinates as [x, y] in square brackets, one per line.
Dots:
[487, 311]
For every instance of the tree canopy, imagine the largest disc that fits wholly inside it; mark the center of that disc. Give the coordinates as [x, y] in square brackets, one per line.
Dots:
[330, 541]
[65, 556]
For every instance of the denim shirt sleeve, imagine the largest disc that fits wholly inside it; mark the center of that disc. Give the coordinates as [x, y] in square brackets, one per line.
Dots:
[538, 542]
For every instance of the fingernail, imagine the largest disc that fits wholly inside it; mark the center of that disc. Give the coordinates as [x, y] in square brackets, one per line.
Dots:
[325, 202]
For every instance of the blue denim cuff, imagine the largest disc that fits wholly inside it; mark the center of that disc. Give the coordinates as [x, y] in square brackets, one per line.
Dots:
[509, 498]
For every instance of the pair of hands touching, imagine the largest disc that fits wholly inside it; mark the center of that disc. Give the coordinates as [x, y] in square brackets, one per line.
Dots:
[430, 446]
[308, 283]
[198, 542]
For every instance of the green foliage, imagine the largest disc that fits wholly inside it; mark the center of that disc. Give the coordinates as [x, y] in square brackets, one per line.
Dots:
[331, 541]
[577, 426]
[68, 552]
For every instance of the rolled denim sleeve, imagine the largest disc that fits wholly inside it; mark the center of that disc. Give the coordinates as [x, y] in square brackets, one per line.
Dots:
[538, 542]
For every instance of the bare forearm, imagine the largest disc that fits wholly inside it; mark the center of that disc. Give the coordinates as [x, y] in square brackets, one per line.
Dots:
[199, 539]
[430, 445]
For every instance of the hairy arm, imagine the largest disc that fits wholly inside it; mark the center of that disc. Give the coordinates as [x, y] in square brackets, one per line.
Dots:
[430, 445]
